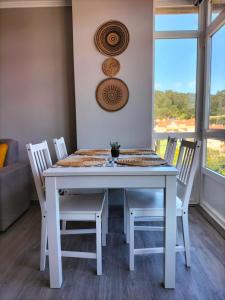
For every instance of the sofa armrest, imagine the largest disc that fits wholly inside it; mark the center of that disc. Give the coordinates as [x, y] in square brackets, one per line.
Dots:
[15, 182]
[7, 170]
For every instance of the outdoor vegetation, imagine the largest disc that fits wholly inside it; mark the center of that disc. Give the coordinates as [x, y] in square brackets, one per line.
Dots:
[215, 156]
[174, 105]
[171, 105]
[181, 106]
[217, 109]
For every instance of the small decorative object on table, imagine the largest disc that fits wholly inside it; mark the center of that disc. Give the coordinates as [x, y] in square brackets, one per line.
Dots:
[115, 149]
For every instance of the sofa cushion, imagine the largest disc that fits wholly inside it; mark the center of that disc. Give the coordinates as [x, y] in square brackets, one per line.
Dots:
[3, 153]
[13, 151]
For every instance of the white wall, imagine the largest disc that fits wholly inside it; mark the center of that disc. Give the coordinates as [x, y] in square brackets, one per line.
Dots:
[36, 76]
[131, 126]
[213, 197]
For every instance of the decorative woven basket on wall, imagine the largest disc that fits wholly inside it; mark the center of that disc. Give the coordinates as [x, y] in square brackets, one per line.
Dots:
[110, 67]
[112, 94]
[112, 38]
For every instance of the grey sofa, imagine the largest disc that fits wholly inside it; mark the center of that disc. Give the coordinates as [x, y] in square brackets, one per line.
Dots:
[14, 186]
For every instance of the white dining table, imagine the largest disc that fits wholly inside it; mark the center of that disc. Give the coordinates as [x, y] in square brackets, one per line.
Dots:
[58, 178]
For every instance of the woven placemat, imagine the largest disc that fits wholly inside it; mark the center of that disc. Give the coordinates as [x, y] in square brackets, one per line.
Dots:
[92, 152]
[136, 151]
[76, 161]
[141, 161]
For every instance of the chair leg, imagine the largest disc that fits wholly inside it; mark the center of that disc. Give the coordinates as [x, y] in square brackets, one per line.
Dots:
[178, 235]
[186, 238]
[43, 243]
[63, 225]
[107, 210]
[98, 244]
[131, 240]
[124, 213]
[104, 224]
[127, 225]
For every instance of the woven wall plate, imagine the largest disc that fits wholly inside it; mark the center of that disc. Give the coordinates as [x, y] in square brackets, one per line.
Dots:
[112, 94]
[76, 161]
[112, 38]
[141, 161]
[110, 67]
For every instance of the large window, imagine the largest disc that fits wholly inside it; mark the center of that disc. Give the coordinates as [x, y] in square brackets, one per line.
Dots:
[217, 90]
[214, 143]
[175, 85]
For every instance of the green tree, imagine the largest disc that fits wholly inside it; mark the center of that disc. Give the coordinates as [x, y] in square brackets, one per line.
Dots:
[174, 105]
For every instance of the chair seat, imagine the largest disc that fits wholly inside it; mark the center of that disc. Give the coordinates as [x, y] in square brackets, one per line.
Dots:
[149, 200]
[81, 204]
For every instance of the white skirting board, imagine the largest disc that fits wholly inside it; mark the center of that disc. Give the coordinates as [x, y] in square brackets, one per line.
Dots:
[213, 213]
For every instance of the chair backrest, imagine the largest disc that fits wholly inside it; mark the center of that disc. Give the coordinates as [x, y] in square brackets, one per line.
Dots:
[40, 160]
[60, 148]
[170, 150]
[187, 164]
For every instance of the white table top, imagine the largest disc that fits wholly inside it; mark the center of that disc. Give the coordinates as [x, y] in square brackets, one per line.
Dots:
[110, 171]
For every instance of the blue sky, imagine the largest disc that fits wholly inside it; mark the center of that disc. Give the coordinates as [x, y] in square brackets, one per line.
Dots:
[176, 60]
[218, 61]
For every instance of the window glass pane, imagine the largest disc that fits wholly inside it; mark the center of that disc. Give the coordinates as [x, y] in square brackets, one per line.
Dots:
[175, 85]
[169, 19]
[216, 7]
[160, 146]
[217, 93]
[215, 156]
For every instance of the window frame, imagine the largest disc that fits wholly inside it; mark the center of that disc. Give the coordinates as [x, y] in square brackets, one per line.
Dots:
[203, 79]
[218, 134]
[183, 34]
[209, 13]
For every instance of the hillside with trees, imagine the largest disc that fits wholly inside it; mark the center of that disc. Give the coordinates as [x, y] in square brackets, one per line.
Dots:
[181, 106]
[174, 105]
[171, 105]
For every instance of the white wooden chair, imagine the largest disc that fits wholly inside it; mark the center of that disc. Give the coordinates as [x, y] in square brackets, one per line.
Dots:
[170, 150]
[85, 207]
[145, 203]
[60, 148]
[169, 157]
[61, 153]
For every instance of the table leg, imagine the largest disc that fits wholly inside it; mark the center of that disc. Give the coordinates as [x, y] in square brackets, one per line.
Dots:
[53, 225]
[170, 232]
[107, 210]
